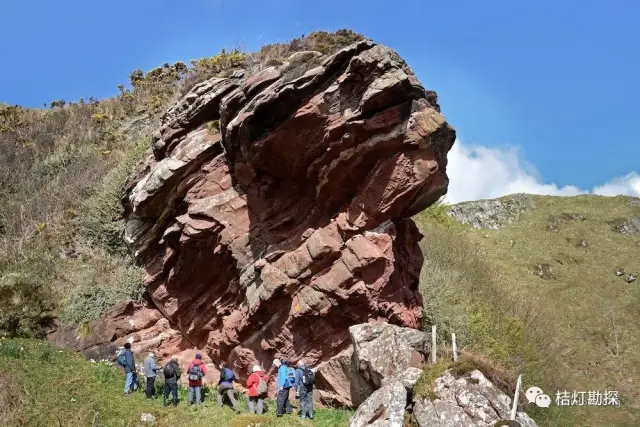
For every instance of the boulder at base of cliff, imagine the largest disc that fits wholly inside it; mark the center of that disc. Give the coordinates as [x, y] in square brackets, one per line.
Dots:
[379, 353]
[470, 400]
[384, 408]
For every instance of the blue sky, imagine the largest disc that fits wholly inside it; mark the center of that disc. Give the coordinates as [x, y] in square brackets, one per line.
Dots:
[549, 87]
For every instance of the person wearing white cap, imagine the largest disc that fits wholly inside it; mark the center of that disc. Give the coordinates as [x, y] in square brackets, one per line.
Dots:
[257, 386]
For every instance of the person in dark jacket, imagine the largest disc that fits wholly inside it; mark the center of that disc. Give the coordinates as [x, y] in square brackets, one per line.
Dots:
[150, 369]
[171, 376]
[225, 386]
[131, 377]
[195, 385]
[304, 392]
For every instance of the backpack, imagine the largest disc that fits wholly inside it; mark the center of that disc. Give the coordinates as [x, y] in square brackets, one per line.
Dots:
[169, 371]
[195, 373]
[262, 386]
[122, 359]
[291, 378]
[228, 375]
[308, 377]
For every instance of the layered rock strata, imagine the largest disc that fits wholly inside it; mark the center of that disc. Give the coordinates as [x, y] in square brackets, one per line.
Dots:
[273, 235]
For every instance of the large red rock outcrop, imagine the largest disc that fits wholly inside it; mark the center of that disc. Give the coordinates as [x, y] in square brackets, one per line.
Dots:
[270, 238]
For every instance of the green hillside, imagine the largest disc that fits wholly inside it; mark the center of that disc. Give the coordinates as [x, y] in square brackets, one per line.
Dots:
[574, 328]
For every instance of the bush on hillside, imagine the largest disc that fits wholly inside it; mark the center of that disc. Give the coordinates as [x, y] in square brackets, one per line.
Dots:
[27, 305]
[94, 298]
[102, 223]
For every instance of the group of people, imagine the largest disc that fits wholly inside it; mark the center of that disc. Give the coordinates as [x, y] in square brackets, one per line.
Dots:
[300, 379]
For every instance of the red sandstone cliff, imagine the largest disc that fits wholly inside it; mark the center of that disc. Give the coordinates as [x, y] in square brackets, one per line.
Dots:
[272, 237]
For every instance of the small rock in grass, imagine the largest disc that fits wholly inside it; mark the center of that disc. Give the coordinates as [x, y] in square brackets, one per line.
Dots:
[147, 418]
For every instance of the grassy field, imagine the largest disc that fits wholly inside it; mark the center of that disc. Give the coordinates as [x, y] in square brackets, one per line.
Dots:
[42, 385]
[576, 329]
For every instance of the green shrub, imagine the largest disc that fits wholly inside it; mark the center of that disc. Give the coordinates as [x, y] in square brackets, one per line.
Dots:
[9, 348]
[214, 127]
[27, 304]
[89, 302]
[102, 223]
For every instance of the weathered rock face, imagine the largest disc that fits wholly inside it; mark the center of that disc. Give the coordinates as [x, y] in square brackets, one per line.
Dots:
[379, 353]
[384, 408]
[145, 328]
[273, 237]
[471, 400]
[492, 214]
[630, 226]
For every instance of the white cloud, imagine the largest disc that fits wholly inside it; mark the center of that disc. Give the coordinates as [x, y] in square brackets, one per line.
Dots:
[478, 172]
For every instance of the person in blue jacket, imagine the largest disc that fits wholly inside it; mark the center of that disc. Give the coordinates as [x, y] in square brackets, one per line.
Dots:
[286, 380]
[131, 377]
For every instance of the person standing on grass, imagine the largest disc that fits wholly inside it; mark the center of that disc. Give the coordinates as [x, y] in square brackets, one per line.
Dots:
[305, 379]
[225, 386]
[257, 386]
[150, 370]
[128, 362]
[195, 372]
[171, 374]
[285, 382]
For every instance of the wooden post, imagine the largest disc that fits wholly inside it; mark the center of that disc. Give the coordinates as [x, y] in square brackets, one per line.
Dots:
[455, 349]
[433, 343]
[514, 408]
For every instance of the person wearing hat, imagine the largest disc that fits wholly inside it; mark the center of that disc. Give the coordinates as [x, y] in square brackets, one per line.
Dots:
[257, 390]
[150, 370]
[195, 372]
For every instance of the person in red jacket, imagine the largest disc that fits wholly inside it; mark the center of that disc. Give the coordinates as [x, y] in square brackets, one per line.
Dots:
[256, 399]
[195, 372]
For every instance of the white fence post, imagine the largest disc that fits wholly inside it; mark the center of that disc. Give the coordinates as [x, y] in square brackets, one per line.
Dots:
[514, 408]
[433, 343]
[455, 349]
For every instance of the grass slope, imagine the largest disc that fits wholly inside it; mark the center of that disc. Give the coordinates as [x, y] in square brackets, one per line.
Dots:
[558, 330]
[46, 386]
